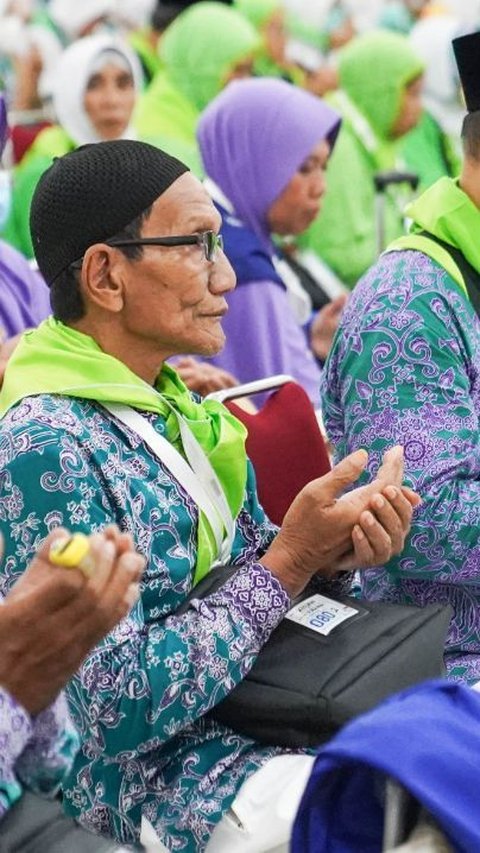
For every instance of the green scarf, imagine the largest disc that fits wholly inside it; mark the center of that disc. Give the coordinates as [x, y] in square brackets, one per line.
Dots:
[55, 359]
[447, 212]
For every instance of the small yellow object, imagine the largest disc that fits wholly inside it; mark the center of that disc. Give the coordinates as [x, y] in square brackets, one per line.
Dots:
[72, 552]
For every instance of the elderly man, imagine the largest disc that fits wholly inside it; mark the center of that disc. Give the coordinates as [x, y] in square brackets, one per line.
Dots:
[128, 241]
[48, 623]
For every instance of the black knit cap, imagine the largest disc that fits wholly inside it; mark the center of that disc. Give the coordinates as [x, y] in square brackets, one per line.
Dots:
[467, 56]
[91, 194]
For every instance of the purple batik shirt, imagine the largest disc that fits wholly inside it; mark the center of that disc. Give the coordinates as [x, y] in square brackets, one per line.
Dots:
[35, 753]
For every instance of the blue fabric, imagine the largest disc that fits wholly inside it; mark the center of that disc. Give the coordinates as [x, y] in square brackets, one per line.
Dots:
[246, 253]
[428, 738]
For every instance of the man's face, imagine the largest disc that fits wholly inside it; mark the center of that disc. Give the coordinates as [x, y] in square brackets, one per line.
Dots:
[174, 297]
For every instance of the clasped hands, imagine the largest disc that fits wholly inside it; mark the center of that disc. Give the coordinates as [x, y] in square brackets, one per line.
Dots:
[328, 529]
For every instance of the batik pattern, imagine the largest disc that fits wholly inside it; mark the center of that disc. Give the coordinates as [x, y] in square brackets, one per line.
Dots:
[34, 754]
[140, 698]
[404, 369]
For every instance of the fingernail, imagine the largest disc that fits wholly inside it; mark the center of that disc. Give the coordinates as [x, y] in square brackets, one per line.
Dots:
[359, 532]
[369, 520]
[378, 502]
[391, 492]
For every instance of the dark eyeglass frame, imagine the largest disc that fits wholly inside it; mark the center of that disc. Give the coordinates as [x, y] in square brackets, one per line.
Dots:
[209, 241]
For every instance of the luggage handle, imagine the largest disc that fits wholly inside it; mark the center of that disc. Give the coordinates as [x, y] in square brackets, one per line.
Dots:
[383, 180]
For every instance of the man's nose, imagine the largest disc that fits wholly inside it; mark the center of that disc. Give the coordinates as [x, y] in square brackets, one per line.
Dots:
[222, 275]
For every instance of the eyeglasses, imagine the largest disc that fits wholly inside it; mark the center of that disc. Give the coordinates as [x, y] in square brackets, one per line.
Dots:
[208, 240]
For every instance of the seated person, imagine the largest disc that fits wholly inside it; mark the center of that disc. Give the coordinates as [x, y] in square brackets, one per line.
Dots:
[405, 367]
[207, 45]
[260, 190]
[128, 240]
[96, 82]
[48, 622]
[379, 100]
[432, 148]
[24, 298]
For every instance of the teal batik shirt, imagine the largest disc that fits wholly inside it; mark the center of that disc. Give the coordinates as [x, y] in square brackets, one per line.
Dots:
[140, 698]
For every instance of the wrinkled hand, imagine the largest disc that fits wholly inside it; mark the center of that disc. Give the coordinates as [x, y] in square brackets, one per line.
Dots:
[202, 377]
[324, 326]
[325, 533]
[53, 616]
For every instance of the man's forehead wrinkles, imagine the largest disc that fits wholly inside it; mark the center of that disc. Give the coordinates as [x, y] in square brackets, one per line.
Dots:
[201, 213]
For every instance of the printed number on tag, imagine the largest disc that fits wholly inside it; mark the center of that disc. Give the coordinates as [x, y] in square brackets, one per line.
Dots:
[320, 613]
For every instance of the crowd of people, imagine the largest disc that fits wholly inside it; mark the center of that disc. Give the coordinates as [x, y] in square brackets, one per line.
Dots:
[195, 195]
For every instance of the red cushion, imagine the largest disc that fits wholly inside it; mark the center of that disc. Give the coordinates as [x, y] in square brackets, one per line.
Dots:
[23, 135]
[286, 447]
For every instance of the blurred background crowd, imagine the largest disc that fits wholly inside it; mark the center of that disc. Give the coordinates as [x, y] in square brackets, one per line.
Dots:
[74, 73]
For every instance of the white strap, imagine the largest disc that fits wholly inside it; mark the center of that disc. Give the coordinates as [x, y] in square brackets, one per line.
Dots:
[207, 476]
[196, 476]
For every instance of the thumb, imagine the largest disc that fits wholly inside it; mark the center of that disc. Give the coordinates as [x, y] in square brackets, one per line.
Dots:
[345, 473]
[57, 533]
[340, 302]
[391, 469]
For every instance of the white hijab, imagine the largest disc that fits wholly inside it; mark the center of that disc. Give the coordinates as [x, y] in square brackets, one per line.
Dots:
[72, 16]
[432, 38]
[73, 72]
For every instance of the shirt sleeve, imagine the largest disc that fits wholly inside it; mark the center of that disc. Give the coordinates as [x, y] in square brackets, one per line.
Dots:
[50, 751]
[15, 731]
[404, 370]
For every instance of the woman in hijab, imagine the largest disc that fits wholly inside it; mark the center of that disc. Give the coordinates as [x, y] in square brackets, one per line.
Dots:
[380, 100]
[265, 145]
[269, 19]
[96, 84]
[432, 149]
[24, 296]
[205, 47]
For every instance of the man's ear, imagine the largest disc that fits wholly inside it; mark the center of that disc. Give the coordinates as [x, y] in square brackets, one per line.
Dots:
[102, 279]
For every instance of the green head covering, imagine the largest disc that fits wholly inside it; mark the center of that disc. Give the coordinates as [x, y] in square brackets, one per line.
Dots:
[201, 47]
[374, 70]
[55, 359]
[257, 11]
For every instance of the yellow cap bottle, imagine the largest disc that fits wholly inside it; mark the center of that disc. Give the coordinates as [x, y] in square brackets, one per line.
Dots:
[72, 552]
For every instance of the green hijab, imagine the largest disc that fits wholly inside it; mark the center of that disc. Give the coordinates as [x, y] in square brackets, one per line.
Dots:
[201, 47]
[374, 71]
[55, 359]
[257, 11]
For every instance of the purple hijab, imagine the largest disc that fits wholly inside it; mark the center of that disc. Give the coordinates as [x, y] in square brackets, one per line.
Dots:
[254, 136]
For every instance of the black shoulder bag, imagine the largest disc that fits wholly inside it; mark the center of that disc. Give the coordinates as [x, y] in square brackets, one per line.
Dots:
[341, 657]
